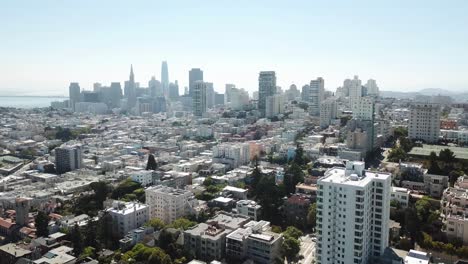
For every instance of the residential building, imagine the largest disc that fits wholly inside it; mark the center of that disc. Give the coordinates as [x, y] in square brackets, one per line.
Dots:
[363, 108]
[316, 94]
[255, 241]
[372, 88]
[68, 158]
[266, 87]
[127, 216]
[167, 203]
[328, 112]
[199, 98]
[22, 207]
[207, 241]
[400, 195]
[249, 208]
[274, 105]
[424, 123]
[234, 154]
[295, 210]
[353, 212]
[354, 88]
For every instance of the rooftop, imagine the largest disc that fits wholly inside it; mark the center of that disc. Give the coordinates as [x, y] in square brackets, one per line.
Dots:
[425, 150]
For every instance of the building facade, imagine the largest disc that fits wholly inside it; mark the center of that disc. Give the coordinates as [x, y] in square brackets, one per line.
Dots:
[424, 123]
[353, 211]
[266, 87]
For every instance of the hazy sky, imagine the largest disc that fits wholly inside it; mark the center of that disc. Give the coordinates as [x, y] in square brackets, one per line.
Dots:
[404, 45]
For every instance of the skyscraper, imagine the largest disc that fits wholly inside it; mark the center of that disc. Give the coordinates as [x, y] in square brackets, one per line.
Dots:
[353, 212]
[155, 87]
[74, 92]
[210, 95]
[174, 90]
[199, 98]
[115, 94]
[129, 89]
[165, 79]
[316, 93]
[195, 74]
[266, 87]
[227, 92]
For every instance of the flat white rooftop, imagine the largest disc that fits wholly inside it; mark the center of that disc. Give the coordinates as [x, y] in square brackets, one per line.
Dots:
[339, 175]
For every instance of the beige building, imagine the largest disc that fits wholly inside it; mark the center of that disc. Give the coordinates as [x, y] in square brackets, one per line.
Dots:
[424, 123]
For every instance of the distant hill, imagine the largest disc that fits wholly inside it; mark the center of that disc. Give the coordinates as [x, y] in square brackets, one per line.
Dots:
[456, 96]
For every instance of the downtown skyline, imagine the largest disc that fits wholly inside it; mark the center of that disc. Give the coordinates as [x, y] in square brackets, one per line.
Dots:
[401, 47]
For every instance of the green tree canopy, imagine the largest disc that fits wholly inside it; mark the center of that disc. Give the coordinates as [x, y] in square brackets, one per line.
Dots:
[42, 223]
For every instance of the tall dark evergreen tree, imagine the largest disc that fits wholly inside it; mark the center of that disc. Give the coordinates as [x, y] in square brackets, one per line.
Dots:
[77, 240]
[90, 239]
[151, 165]
[42, 223]
[299, 156]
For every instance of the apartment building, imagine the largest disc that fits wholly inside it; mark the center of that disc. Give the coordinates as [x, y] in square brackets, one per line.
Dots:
[68, 158]
[254, 241]
[454, 207]
[400, 195]
[424, 123]
[249, 208]
[207, 241]
[168, 204]
[353, 210]
[127, 216]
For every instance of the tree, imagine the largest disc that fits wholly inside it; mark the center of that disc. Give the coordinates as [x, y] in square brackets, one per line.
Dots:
[76, 238]
[291, 248]
[276, 229]
[423, 209]
[405, 144]
[293, 232]
[90, 238]
[127, 186]
[101, 190]
[256, 176]
[312, 215]
[396, 154]
[269, 196]
[433, 164]
[292, 177]
[104, 230]
[400, 132]
[454, 175]
[151, 164]
[447, 156]
[182, 223]
[156, 223]
[299, 155]
[42, 224]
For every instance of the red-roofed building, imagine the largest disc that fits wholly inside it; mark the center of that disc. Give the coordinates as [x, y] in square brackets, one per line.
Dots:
[295, 210]
[7, 226]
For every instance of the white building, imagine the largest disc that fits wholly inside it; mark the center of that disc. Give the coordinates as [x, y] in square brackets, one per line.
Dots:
[363, 108]
[91, 107]
[424, 123]
[316, 94]
[254, 241]
[354, 88]
[372, 88]
[274, 105]
[68, 158]
[328, 112]
[144, 177]
[168, 204]
[199, 98]
[233, 154]
[249, 208]
[417, 257]
[239, 98]
[401, 195]
[128, 216]
[353, 211]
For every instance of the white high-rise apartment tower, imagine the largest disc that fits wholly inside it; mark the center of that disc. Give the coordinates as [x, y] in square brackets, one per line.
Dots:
[353, 212]
[372, 88]
[199, 98]
[266, 87]
[68, 158]
[355, 89]
[424, 123]
[316, 94]
[363, 108]
[328, 111]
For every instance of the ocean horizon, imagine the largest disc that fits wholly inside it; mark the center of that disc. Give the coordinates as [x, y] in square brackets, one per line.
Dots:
[28, 102]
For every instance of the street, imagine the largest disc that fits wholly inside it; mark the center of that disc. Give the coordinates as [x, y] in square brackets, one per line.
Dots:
[307, 249]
